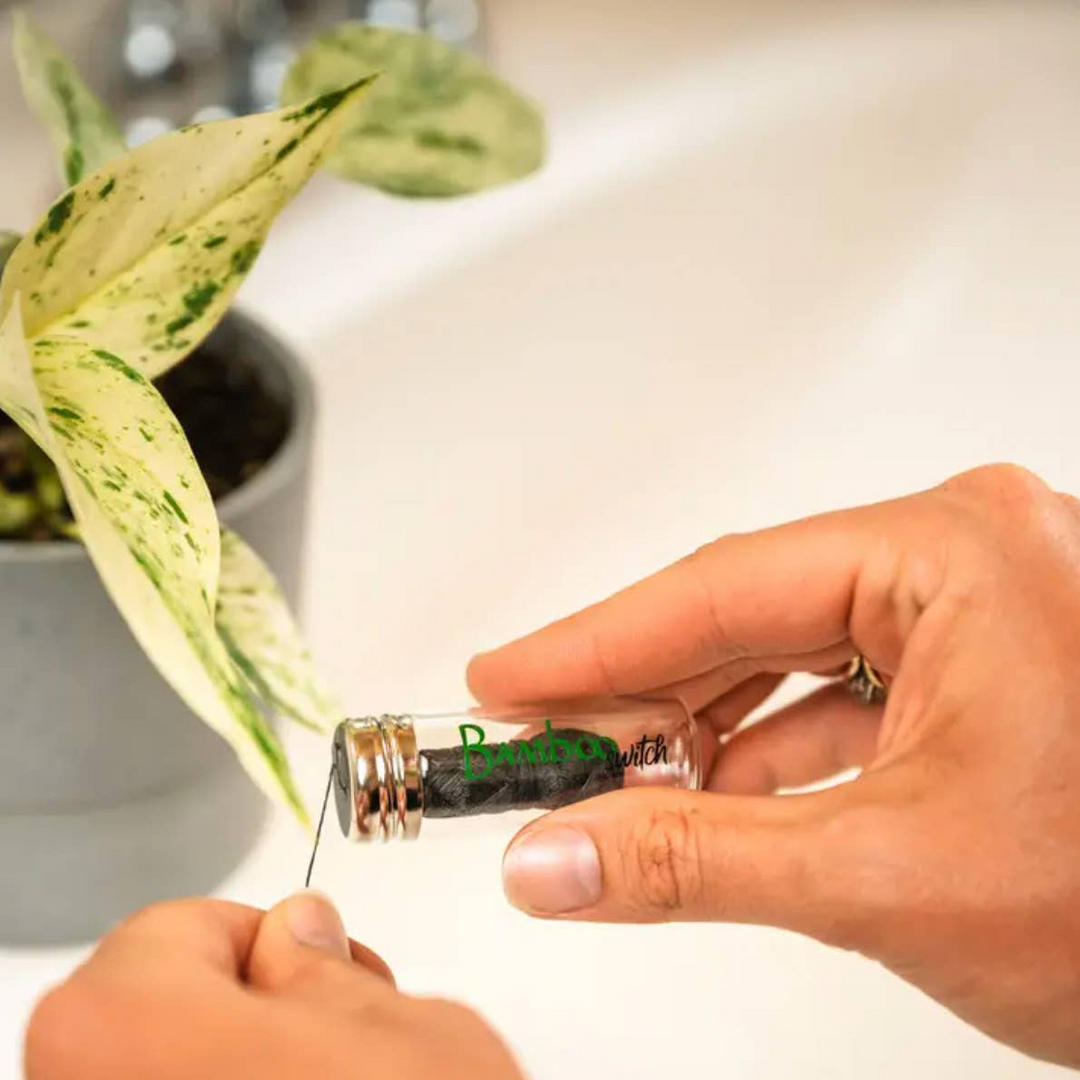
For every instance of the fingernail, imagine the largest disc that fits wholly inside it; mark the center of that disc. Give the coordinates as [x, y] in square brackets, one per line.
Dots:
[313, 920]
[552, 870]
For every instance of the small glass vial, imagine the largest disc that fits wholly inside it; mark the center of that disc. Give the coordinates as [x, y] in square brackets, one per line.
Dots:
[391, 773]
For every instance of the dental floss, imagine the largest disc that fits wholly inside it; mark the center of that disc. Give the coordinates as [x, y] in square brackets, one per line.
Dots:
[322, 818]
[395, 771]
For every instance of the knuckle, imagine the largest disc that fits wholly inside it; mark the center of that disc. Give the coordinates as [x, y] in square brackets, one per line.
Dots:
[426, 1022]
[444, 1013]
[144, 918]
[458, 1026]
[1005, 513]
[188, 916]
[665, 861]
[1000, 487]
[386, 1014]
[48, 1045]
[704, 559]
[1071, 505]
[150, 918]
[1011, 520]
[700, 566]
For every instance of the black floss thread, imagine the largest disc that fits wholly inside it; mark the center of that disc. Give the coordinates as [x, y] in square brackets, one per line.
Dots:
[530, 781]
[318, 830]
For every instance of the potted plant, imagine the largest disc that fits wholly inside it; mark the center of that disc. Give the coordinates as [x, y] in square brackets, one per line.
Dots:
[132, 421]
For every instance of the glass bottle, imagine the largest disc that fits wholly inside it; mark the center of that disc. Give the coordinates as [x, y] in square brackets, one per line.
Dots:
[393, 773]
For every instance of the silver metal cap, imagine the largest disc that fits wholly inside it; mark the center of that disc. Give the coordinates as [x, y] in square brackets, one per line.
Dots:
[378, 789]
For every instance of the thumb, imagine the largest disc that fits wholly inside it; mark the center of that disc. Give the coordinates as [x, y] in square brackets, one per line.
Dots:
[302, 948]
[809, 863]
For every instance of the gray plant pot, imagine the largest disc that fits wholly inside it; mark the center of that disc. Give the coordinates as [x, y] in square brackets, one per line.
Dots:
[112, 794]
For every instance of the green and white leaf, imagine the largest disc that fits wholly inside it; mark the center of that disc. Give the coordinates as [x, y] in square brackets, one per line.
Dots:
[110, 260]
[147, 520]
[439, 122]
[9, 241]
[83, 131]
[143, 258]
[254, 622]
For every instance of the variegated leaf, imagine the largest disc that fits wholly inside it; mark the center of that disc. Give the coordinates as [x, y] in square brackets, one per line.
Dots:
[254, 622]
[439, 122]
[8, 242]
[147, 520]
[165, 233]
[142, 258]
[83, 131]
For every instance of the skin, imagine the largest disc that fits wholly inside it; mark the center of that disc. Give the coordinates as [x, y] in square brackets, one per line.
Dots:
[209, 989]
[953, 859]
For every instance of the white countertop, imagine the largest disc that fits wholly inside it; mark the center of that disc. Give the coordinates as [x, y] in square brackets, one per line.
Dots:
[783, 260]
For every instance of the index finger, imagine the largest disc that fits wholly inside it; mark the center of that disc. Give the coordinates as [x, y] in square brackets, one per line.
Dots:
[204, 936]
[782, 591]
[213, 935]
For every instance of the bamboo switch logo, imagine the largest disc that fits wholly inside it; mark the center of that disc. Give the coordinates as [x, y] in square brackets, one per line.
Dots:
[480, 758]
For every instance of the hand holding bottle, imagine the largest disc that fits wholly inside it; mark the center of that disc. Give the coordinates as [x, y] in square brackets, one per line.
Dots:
[954, 859]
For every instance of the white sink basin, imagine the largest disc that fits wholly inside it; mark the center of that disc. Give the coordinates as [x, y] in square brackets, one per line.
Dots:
[771, 274]
[810, 269]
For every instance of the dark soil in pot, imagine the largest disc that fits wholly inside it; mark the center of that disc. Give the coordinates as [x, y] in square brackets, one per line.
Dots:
[233, 419]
